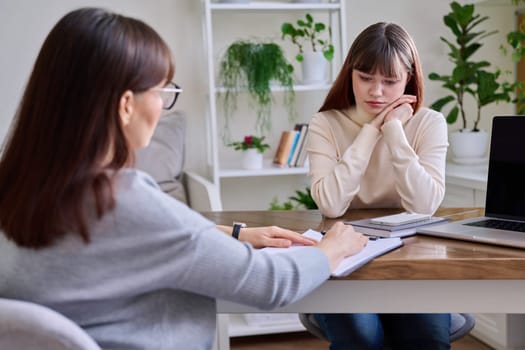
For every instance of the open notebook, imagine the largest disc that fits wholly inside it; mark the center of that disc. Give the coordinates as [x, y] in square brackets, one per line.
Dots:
[374, 248]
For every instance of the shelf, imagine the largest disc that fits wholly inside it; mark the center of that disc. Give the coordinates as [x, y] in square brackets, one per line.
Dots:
[239, 328]
[472, 176]
[269, 169]
[275, 6]
[297, 87]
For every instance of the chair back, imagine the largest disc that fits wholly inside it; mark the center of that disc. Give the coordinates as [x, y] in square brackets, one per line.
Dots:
[29, 326]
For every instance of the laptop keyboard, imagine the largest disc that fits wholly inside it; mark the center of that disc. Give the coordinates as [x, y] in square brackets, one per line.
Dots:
[500, 225]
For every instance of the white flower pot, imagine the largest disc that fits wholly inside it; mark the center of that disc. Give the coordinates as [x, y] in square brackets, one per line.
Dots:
[314, 68]
[469, 146]
[252, 159]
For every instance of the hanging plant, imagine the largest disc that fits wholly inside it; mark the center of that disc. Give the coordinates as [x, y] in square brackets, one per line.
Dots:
[252, 67]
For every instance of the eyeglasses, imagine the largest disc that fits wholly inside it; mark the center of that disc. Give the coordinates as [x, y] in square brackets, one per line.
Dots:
[169, 95]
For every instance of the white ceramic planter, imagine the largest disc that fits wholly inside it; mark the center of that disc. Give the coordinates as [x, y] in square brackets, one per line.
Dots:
[468, 146]
[252, 159]
[314, 68]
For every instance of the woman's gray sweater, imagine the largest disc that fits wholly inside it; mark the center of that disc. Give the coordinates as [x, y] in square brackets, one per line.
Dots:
[151, 274]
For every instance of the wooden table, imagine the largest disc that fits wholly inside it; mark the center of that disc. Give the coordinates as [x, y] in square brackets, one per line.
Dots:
[426, 274]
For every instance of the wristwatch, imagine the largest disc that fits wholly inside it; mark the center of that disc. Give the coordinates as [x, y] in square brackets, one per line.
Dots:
[237, 229]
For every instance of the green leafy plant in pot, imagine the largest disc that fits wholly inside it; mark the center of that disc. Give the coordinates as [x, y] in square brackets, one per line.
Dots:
[469, 78]
[250, 66]
[314, 48]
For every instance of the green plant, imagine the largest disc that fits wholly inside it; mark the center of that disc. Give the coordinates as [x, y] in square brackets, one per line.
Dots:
[309, 32]
[253, 66]
[303, 200]
[250, 142]
[468, 77]
[516, 40]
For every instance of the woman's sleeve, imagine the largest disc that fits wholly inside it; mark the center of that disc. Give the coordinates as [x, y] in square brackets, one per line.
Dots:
[419, 171]
[224, 268]
[335, 175]
[159, 243]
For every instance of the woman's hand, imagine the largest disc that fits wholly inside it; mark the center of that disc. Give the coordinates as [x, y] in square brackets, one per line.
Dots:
[341, 241]
[272, 236]
[269, 236]
[400, 109]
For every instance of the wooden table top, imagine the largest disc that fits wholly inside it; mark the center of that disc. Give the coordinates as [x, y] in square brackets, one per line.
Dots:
[420, 258]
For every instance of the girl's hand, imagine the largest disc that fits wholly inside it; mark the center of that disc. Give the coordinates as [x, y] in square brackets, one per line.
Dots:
[400, 109]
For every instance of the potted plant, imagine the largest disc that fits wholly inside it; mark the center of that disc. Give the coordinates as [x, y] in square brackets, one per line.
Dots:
[319, 49]
[252, 148]
[253, 66]
[468, 78]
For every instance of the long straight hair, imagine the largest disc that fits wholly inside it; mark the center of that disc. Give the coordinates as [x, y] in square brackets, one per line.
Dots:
[377, 48]
[54, 168]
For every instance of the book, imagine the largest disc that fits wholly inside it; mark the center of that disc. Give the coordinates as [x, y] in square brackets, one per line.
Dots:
[400, 219]
[294, 146]
[303, 129]
[367, 227]
[373, 249]
[284, 147]
[302, 158]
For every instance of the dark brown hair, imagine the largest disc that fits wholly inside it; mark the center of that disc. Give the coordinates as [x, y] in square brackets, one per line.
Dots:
[378, 48]
[55, 165]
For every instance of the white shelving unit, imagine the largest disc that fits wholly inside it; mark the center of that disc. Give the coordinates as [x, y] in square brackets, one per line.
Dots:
[217, 167]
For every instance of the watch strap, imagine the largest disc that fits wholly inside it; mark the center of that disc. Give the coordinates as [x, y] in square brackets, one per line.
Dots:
[237, 229]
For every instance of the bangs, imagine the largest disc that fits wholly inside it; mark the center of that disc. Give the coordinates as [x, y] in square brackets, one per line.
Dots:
[383, 57]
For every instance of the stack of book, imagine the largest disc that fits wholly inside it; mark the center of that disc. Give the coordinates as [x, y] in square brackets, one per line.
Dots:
[291, 150]
[397, 225]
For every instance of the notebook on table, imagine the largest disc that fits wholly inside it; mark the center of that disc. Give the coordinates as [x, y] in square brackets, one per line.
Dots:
[373, 249]
[504, 220]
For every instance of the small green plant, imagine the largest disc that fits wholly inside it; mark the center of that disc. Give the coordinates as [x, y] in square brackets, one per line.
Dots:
[309, 32]
[468, 77]
[250, 142]
[302, 200]
[254, 66]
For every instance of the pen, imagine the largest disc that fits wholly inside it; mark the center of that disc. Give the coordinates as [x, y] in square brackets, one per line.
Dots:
[323, 232]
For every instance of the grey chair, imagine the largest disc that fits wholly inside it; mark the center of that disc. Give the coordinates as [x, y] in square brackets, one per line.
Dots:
[29, 326]
[460, 325]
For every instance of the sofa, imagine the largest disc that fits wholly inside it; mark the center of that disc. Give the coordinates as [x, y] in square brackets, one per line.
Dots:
[164, 159]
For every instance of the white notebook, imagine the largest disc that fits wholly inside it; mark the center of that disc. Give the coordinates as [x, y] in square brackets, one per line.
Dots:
[374, 248]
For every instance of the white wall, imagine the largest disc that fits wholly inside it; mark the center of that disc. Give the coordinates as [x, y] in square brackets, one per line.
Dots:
[25, 23]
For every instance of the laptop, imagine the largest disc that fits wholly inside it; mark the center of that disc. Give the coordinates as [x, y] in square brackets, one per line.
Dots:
[504, 220]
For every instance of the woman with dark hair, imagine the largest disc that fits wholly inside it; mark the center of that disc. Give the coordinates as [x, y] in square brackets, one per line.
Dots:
[95, 239]
[373, 145]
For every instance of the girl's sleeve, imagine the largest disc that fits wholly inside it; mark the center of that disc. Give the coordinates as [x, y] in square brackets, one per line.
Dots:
[335, 175]
[419, 171]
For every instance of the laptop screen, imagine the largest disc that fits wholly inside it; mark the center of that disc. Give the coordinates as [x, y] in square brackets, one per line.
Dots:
[506, 177]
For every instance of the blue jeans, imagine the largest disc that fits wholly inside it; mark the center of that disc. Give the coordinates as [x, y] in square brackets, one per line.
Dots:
[398, 331]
